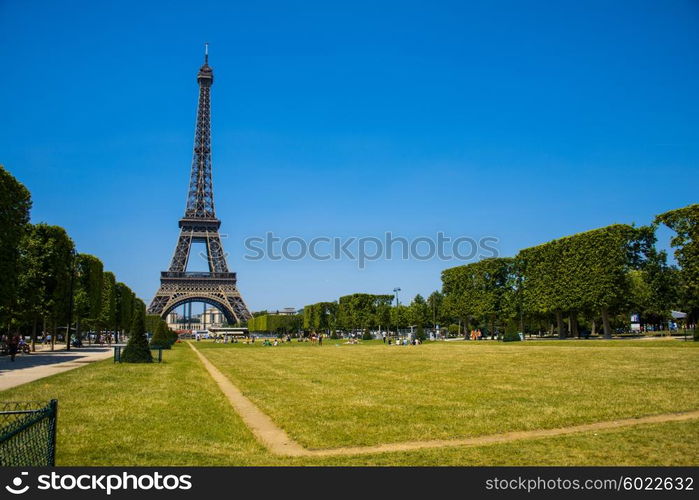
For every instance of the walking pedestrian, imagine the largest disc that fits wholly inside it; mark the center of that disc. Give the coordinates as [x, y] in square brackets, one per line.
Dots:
[13, 346]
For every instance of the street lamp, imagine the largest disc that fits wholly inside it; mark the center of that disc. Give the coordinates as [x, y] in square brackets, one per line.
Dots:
[73, 262]
[395, 291]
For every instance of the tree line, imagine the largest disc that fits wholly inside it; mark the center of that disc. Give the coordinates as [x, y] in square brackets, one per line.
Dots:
[48, 286]
[597, 278]
[360, 312]
[572, 286]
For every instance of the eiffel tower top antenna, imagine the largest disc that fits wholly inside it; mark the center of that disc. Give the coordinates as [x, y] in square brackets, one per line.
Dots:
[200, 197]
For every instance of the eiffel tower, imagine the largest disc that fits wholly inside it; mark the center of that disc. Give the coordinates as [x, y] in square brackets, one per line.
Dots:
[200, 225]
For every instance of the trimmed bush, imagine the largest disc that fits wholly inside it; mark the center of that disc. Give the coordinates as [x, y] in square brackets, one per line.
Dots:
[172, 336]
[137, 350]
[161, 338]
[511, 337]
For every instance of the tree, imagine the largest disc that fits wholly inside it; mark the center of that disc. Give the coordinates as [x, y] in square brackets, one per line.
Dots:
[137, 350]
[321, 316]
[161, 338]
[107, 316]
[359, 310]
[15, 203]
[419, 312]
[653, 290]
[435, 303]
[46, 260]
[400, 317]
[583, 272]
[33, 281]
[123, 308]
[152, 322]
[88, 289]
[383, 312]
[685, 223]
[275, 323]
[310, 320]
[479, 290]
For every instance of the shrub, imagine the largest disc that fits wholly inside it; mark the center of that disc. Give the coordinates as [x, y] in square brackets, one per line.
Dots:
[172, 336]
[161, 338]
[420, 334]
[367, 335]
[511, 337]
[137, 350]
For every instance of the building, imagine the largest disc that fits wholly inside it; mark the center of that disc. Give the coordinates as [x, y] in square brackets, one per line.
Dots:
[212, 317]
[287, 311]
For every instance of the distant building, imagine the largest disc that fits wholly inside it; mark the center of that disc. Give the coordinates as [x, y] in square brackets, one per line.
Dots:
[287, 311]
[212, 317]
[174, 320]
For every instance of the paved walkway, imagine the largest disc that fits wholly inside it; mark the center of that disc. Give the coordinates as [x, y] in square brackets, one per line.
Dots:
[30, 367]
[278, 442]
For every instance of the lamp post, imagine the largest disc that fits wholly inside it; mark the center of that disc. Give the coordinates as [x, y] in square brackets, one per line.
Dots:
[70, 300]
[395, 291]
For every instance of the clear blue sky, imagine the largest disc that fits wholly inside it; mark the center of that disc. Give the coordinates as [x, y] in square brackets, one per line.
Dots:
[523, 120]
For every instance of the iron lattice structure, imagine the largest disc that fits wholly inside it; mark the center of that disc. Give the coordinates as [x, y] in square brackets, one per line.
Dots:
[199, 224]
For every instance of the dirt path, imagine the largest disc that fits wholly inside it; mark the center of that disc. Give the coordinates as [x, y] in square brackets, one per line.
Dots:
[267, 432]
[278, 441]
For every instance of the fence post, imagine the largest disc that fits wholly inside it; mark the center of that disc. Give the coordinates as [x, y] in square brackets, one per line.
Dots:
[53, 404]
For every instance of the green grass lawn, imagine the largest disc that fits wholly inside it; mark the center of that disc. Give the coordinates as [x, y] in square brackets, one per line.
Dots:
[173, 413]
[135, 414]
[362, 395]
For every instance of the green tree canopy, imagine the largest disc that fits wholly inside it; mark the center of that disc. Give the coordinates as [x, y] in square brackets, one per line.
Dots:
[435, 303]
[124, 306]
[275, 323]
[479, 290]
[419, 312]
[107, 316]
[359, 310]
[46, 260]
[161, 337]
[15, 203]
[685, 223]
[321, 316]
[88, 287]
[400, 317]
[583, 272]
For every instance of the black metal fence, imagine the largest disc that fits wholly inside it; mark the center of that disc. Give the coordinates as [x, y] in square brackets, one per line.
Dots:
[28, 433]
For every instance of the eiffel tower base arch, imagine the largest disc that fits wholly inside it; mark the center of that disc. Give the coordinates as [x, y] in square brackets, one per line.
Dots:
[220, 292]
